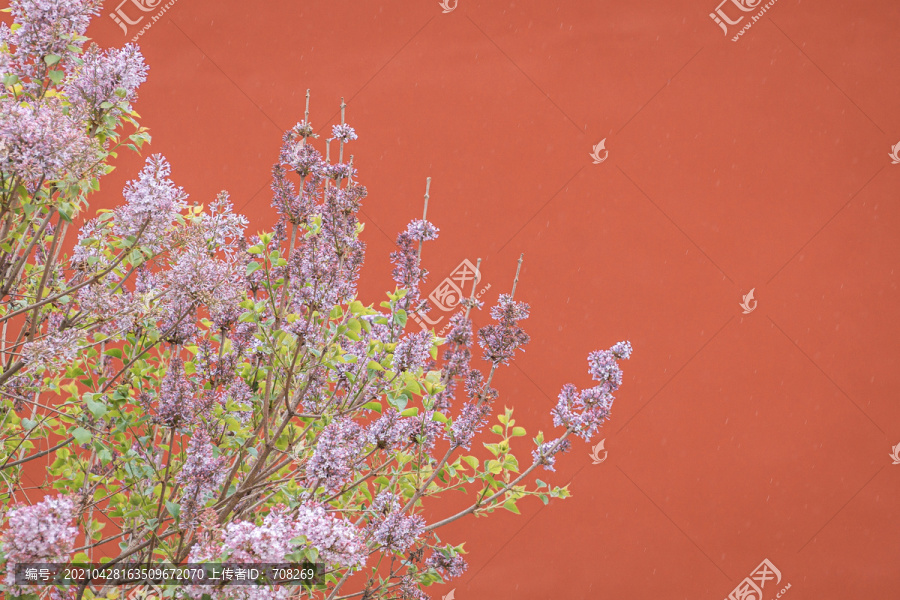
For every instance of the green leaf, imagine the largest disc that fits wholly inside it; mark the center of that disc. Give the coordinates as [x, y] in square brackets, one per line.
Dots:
[81, 435]
[114, 352]
[518, 431]
[374, 366]
[252, 266]
[56, 76]
[174, 509]
[493, 467]
[98, 409]
[410, 412]
[400, 318]
[51, 59]
[28, 424]
[376, 406]
[510, 505]
[440, 417]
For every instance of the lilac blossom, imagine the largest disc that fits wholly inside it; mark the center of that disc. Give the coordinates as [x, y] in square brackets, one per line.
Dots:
[412, 351]
[390, 431]
[113, 311]
[422, 231]
[221, 227]
[43, 144]
[266, 543]
[391, 529]
[410, 590]
[584, 412]
[109, 76]
[337, 540]
[423, 430]
[456, 358]
[47, 27]
[339, 171]
[42, 532]
[470, 421]
[621, 350]
[302, 158]
[408, 272]
[447, 561]
[177, 400]
[501, 340]
[152, 201]
[342, 132]
[337, 454]
[603, 367]
[54, 348]
[290, 204]
[197, 278]
[245, 542]
[545, 454]
[200, 475]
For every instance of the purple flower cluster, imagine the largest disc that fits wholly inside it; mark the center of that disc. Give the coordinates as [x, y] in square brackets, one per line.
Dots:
[337, 454]
[247, 542]
[421, 230]
[337, 540]
[199, 476]
[447, 561]
[584, 412]
[501, 340]
[177, 400]
[456, 357]
[266, 543]
[292, 206]
[545, 454]
[106, 76]
[323, 270]
[152, 202]
[413, 351]
[42, 144]
[409, 589]
[390, 431]
[408, 272]
[45, 27]
[344, 133]
[54, 348]
[469, 422]
[42, 532]
[392, 530]
[301, 157]
[424, 430]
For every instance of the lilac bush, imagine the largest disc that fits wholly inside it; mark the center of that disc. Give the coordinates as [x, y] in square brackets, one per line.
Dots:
[201, 395]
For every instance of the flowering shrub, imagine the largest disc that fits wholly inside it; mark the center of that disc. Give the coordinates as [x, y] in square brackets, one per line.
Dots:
[201, 396]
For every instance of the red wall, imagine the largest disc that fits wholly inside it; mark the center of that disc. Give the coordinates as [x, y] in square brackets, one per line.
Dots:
[761, 163]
